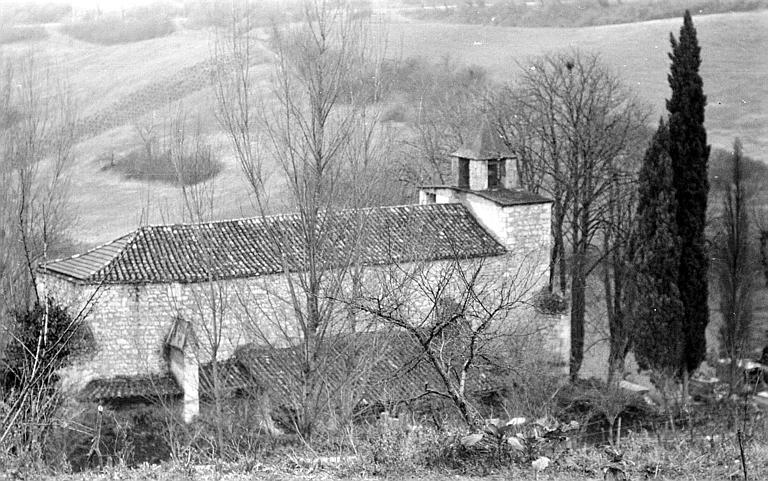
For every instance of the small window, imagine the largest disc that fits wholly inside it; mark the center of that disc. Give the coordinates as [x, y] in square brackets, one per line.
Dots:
[463, 172]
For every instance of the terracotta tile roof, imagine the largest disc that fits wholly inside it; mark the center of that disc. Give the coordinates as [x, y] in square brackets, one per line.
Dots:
[399, 372]
[233, 376]
[130, 387]
[264, 245]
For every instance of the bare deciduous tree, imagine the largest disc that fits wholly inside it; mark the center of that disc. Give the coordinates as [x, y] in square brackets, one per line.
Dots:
[37, 134]
[461, 315]
[319, 128]
[37, 121]
[735, 265]
[575, 122]
[616, 254]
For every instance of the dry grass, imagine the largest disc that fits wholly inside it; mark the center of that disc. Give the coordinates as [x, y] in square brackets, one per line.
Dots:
[646, 456]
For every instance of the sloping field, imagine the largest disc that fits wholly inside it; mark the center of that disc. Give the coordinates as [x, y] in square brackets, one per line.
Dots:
[117, 84]
[734, 61]
[115, 87]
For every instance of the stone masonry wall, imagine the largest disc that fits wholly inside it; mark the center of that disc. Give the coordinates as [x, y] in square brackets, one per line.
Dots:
[478, 175]
[511, 181]
[527, 228]
[130, 323]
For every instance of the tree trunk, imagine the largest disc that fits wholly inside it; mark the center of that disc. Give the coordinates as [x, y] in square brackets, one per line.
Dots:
[463, 407]
[764, 254]
[563, 268]
[557, 258]
[578, 308]
[619, 337]
[553, 263]
[616, 358]
[617, 319]
[217, 405]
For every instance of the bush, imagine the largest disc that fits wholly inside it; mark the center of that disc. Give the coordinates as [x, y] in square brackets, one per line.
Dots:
[29, 13]
[597, 407]
[550, 303]
[98, 436]
[114, 30]
[533, 389]
[391, 446]
[64, 339]
[195, 168]
[21, 34]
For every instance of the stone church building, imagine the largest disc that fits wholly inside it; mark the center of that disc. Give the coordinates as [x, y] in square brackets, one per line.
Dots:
[163, 300]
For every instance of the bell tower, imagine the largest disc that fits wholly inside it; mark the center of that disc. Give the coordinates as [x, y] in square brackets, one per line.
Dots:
[485, 163]
[484, 178]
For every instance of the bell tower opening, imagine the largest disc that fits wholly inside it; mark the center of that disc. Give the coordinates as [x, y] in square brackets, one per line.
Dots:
[463, 174]
[497, 173]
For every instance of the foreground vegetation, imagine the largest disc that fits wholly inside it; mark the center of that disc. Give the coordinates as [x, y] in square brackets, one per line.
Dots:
[151, 442]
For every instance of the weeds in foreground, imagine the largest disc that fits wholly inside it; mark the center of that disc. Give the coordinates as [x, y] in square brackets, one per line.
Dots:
[389, 446]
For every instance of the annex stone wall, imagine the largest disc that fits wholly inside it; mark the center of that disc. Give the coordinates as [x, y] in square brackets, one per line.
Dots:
[131, 323]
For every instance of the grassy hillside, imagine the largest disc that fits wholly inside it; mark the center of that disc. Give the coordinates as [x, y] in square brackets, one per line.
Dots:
[734, 68]
[119, 85]
[576, 13]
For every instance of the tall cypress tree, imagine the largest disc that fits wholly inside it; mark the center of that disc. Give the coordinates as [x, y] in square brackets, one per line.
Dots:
[689, 152]
[657, 326]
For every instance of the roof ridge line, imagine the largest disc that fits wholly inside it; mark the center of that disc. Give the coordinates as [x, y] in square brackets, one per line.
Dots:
[274, 216]
[109, 266]
[92, 249]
